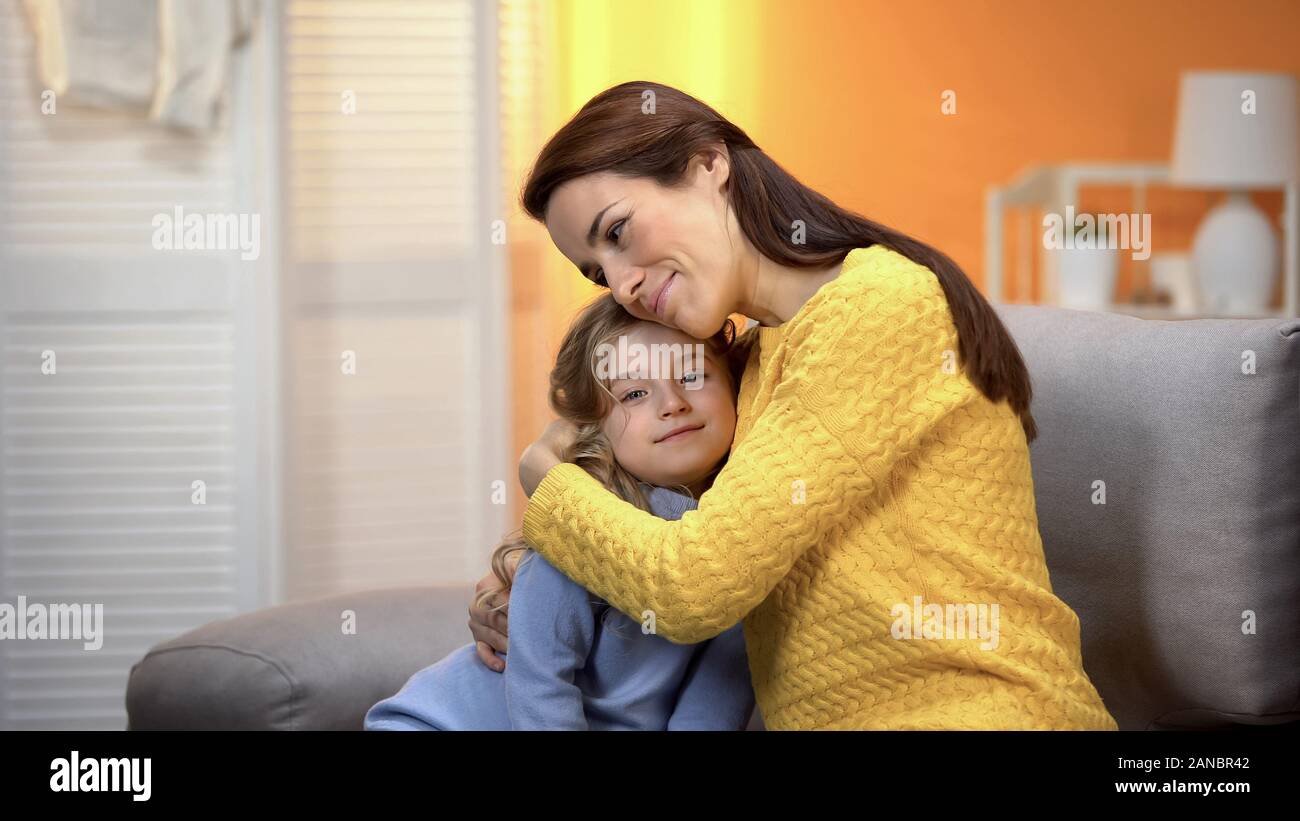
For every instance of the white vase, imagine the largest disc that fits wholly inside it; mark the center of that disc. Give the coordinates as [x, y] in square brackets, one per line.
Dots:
[1085, 277]
[1235, 257]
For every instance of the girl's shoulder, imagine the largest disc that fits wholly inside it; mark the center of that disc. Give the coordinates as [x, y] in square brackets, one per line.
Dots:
[667, 503]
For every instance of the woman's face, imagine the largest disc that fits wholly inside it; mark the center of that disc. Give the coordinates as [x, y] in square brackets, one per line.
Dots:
[647, 411]
[670, 255]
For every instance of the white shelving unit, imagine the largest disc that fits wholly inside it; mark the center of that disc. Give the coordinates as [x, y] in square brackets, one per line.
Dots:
[1054, 187]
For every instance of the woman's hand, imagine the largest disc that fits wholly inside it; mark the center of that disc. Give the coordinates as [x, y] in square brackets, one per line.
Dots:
[545, 453]
[488, 626]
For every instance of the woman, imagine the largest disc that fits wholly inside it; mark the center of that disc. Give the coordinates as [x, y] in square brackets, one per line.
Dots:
[879, 487]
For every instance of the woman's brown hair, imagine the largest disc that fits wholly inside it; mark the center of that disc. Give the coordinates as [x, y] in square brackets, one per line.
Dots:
[580, 396]
[647, 129]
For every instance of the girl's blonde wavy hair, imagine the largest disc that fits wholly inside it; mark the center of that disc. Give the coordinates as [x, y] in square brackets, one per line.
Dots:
[579, 396]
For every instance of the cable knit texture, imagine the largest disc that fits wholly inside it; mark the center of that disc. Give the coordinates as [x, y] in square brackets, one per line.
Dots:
[867, 471]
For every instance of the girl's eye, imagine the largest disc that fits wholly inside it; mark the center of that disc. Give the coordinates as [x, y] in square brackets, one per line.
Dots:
[692, 376]
[628, 395]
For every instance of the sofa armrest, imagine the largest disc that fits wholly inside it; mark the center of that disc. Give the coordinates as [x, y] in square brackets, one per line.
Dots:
[295, 667]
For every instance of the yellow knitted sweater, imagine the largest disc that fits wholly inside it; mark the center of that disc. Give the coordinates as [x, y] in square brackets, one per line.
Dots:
[867, 471]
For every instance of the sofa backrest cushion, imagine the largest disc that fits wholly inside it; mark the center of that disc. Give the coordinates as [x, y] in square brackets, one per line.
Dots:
[1186, 579]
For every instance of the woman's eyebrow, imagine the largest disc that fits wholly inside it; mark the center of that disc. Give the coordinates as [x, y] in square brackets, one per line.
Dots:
[595, 224]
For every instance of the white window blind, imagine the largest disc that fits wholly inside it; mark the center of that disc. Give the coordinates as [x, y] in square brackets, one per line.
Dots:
[154, 389]
[395, 398]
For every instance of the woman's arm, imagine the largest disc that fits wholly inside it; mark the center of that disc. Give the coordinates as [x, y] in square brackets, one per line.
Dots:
[544, 454]
[864, 382]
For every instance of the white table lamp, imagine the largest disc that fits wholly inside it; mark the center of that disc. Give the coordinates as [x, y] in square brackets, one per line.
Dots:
[1236, 130]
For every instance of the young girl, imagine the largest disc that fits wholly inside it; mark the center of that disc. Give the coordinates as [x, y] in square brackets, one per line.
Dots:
[575, 662]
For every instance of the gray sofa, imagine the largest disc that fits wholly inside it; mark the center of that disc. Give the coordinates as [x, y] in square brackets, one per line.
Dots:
[1186, 579]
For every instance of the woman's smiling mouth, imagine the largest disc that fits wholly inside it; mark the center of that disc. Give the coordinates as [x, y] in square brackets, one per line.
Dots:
[661, 303]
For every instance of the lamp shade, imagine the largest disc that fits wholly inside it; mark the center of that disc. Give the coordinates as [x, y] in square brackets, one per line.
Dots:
[1229, 138]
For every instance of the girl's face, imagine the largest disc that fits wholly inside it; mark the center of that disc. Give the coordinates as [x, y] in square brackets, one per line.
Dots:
[669, 255]
[648, 414]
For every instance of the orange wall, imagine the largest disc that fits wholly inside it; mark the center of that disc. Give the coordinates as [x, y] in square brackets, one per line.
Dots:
[852, 93]
[846, 95]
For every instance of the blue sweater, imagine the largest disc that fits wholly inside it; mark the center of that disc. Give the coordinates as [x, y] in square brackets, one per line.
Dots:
[577, 663]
